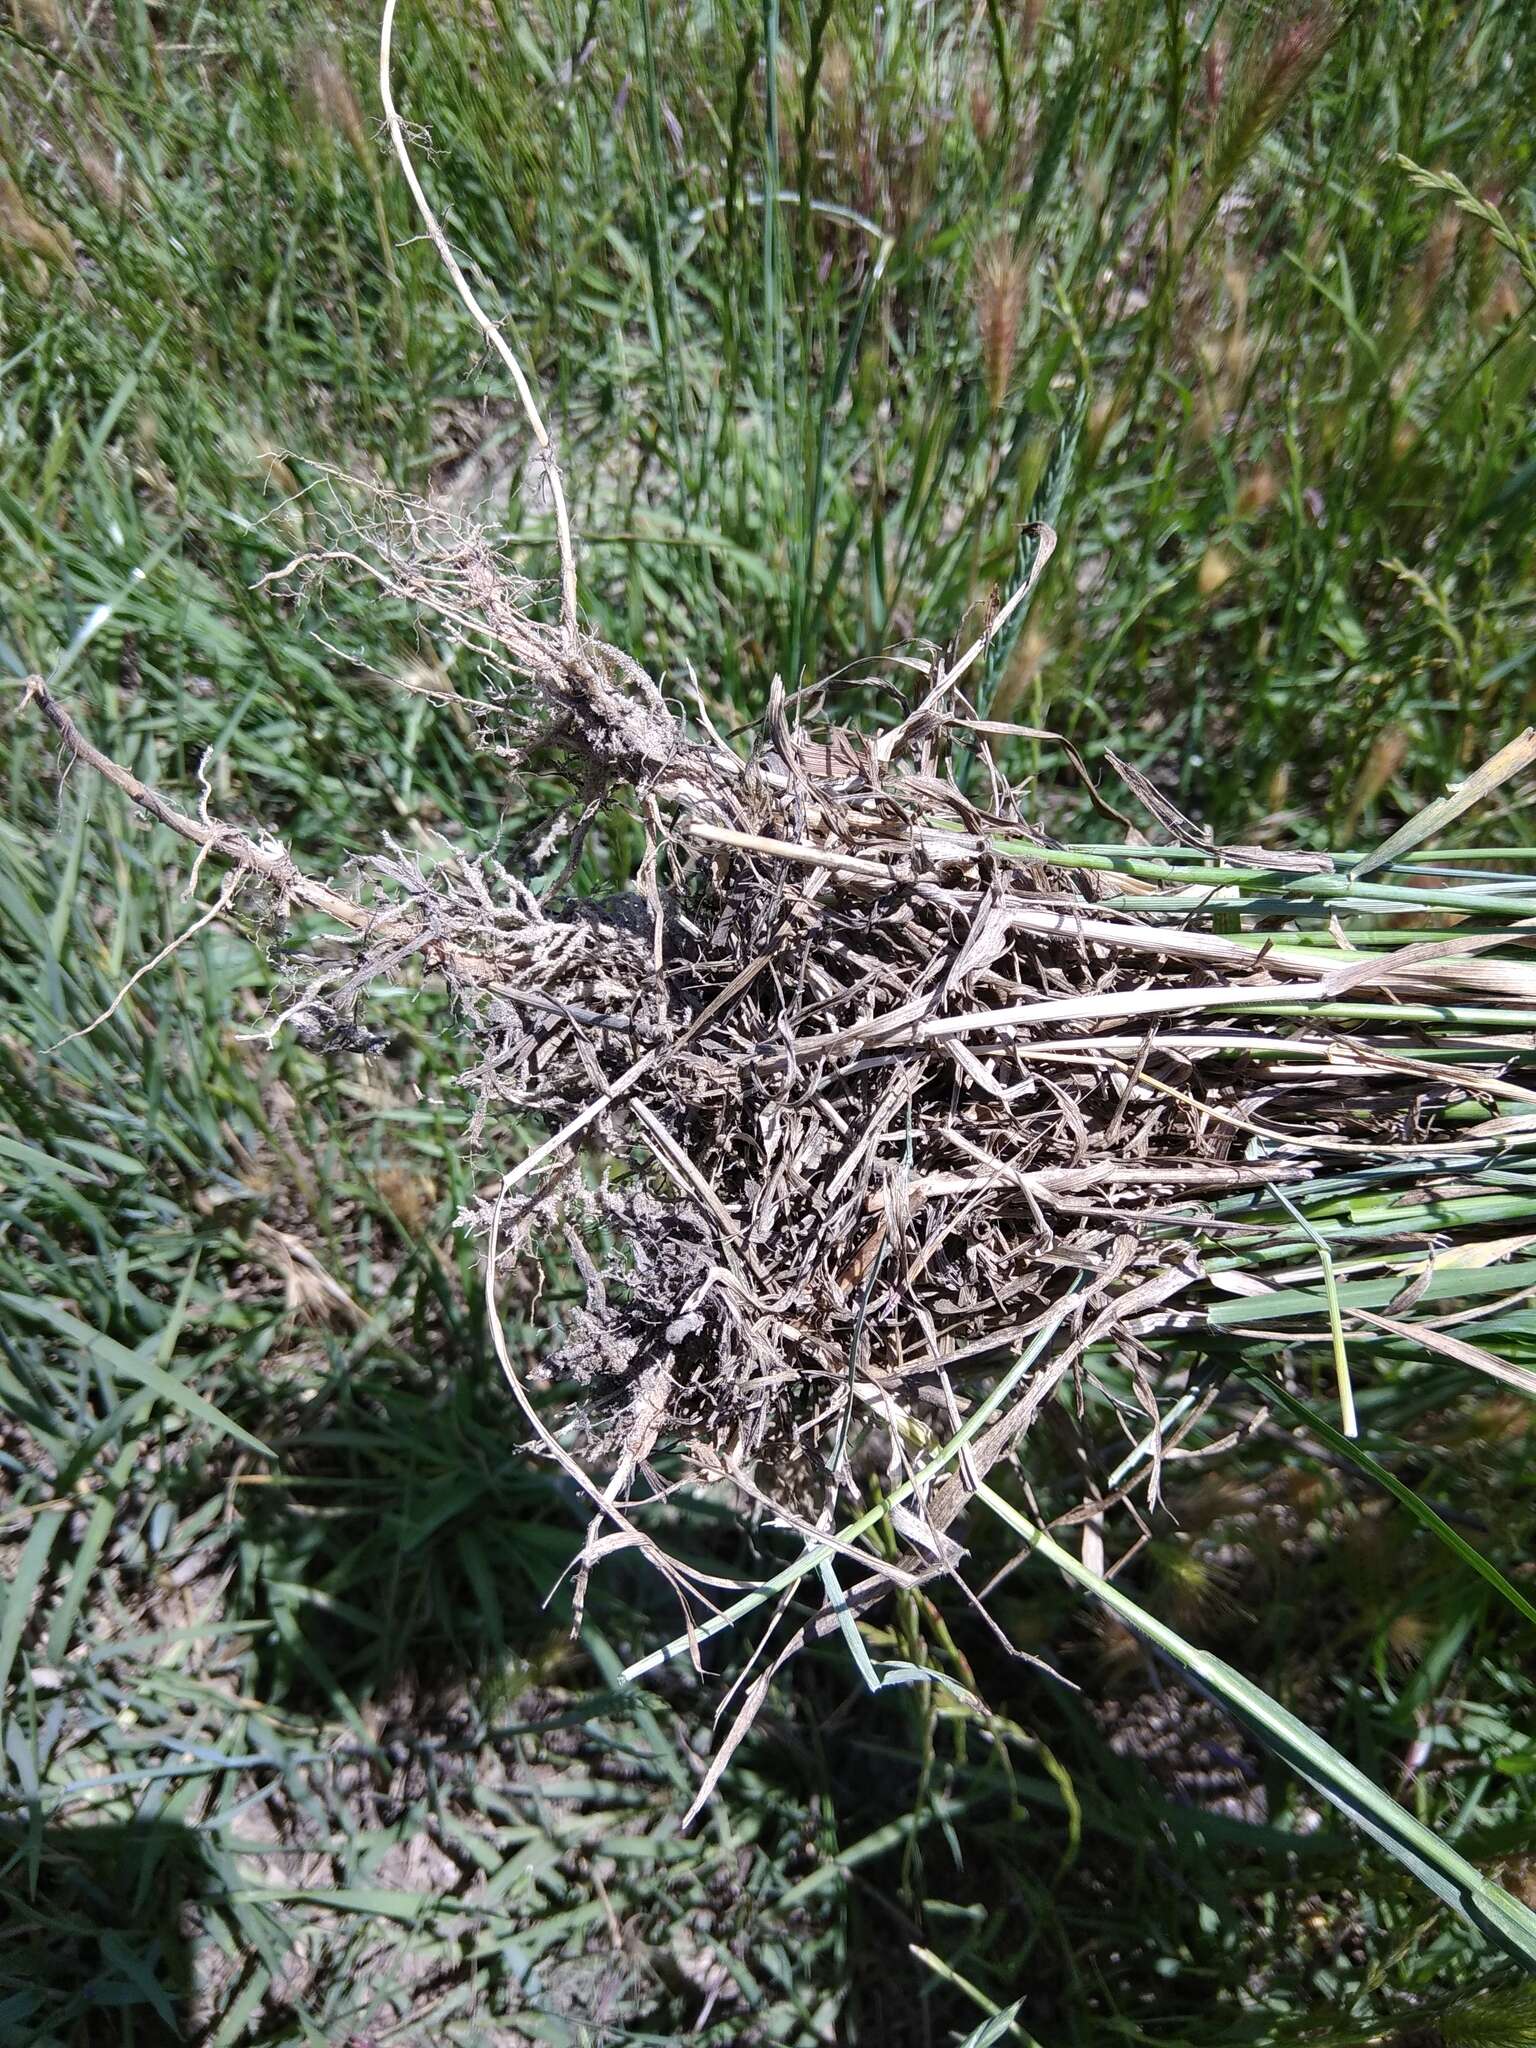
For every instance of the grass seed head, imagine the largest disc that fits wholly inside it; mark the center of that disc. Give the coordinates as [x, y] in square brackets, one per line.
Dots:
[1408, 1634]
[1505, 302]
[1105, 410]
[1482, 262]
[1118, 1650]
[840, 116]
[1216, 1497]
[1195, 1589]
[787, 78]
[1388, 751]
[1215, 571]
[1435, 262]
[999, 283]
[103, 173]
[1502, 2018]
[330, 100]
[1023, 672]
[43, 18]
[22, 232]
[1257, 492]
[410, 1196]
[1281, 57]
[983, 110]
[1214, 65]
[1504, 1420]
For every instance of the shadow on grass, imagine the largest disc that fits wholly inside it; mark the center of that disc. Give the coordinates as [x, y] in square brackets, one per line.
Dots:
[401, 1543]
[99, 1933]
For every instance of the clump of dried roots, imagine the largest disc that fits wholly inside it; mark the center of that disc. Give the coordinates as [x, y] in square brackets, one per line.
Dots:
[867, 1112]
[859, 1090]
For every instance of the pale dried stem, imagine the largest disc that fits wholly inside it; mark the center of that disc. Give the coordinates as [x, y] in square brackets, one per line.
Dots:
[268, 858]
[483, 321]
[889, 744]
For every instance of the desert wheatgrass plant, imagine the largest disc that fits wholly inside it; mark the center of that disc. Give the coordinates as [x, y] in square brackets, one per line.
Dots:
[838, 1201]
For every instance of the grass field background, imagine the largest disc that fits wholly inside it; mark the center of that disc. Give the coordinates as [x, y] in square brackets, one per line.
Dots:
[297, 1746]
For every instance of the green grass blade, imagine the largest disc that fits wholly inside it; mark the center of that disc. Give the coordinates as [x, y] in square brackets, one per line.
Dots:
[1335, 1317]
[19, 1594]
[1486, 1905]
[132, 1365]
[1422, 1512]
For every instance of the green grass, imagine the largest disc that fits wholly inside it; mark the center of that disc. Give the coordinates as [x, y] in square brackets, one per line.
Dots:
[295, 1751]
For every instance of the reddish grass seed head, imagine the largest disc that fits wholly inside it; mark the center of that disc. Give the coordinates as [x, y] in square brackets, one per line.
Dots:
[998, 285]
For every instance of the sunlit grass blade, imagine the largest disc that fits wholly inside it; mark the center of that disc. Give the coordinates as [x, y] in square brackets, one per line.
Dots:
[1356, 1454]
[1495, 1912]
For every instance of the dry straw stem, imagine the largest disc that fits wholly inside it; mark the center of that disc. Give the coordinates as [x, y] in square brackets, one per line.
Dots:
[482, 320]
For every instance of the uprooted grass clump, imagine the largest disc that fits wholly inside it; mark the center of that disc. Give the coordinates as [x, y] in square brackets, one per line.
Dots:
[872, 1115]
[865, 1085]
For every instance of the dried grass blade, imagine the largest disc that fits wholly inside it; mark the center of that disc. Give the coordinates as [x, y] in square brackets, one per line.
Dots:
[1510, 760]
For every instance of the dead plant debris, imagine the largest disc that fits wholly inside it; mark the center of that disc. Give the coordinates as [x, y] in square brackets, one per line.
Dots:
[869, 1112]
[859, 1089]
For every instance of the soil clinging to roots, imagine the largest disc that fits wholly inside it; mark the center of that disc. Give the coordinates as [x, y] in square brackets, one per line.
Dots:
[861, 1090]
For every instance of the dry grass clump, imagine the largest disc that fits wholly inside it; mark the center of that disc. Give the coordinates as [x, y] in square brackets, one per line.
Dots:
[871, 1114]
[860, 1089]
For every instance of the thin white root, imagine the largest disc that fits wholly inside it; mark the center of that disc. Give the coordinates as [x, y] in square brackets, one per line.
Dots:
[220, 904]
[482, 320]
[676, 1575]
